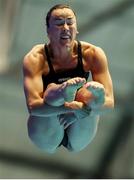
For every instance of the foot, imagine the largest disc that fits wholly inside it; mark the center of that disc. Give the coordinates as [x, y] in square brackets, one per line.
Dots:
[53, 95]
[98, 92]
[71, 87]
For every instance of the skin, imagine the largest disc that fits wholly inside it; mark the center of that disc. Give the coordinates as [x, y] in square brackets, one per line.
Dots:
[97, 94]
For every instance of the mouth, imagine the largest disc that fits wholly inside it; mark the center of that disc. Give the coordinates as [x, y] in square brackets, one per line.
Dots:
[65, 37]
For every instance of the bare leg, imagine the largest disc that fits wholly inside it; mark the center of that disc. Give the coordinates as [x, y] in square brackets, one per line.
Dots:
[82, 132]
[45, 132]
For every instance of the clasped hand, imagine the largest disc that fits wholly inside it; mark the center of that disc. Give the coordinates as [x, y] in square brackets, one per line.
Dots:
[80, 110]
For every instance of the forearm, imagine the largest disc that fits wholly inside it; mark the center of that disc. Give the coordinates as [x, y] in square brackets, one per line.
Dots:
[106, 107]
[46, 110]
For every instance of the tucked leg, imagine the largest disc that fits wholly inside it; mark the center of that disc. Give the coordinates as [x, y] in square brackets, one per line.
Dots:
[46, 133]
[81, 133]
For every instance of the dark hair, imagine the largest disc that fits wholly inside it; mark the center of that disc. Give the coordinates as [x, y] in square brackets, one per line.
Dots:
[58, 6]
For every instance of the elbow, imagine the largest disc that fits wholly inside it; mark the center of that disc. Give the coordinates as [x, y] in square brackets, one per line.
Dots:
[33, 106]
[35, 103]
[109, 103]
[112, 104]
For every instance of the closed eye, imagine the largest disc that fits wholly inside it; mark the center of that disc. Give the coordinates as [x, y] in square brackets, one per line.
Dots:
[60, 22]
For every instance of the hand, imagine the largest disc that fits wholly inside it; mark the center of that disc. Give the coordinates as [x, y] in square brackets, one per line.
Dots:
[80, 110]
[82, 113]
[67, 119]
[74, 105]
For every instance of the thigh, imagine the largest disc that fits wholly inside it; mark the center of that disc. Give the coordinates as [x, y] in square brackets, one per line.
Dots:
[43, 124]
[81, 132]
[45, 131]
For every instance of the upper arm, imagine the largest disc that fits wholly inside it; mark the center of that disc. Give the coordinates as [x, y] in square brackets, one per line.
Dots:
[33, 85]
[100, 71]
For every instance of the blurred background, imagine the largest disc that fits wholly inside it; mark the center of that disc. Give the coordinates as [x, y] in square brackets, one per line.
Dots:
[105, 23]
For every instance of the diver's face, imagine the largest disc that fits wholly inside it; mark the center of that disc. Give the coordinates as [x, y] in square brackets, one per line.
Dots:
[62, 26]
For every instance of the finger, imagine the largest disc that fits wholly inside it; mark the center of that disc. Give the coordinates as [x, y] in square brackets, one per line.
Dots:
[61, 120]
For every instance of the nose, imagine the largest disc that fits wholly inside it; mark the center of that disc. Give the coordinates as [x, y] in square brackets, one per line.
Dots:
[65, 26]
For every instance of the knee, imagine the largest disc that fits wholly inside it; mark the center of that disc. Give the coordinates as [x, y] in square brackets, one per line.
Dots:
[75, 147]
[79, 146]
[45, 142]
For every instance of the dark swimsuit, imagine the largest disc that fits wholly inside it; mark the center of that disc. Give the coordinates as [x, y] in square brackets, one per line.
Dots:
[62, 76]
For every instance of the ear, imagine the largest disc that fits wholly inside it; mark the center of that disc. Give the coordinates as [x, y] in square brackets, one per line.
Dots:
[77, 32]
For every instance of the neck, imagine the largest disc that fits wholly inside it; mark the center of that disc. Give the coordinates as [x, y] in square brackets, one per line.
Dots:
[60, 53]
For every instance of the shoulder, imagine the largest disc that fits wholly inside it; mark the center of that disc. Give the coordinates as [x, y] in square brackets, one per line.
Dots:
[93, 52]
[34, 55]
[91, 49]
[94, 56]
[34, 59]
